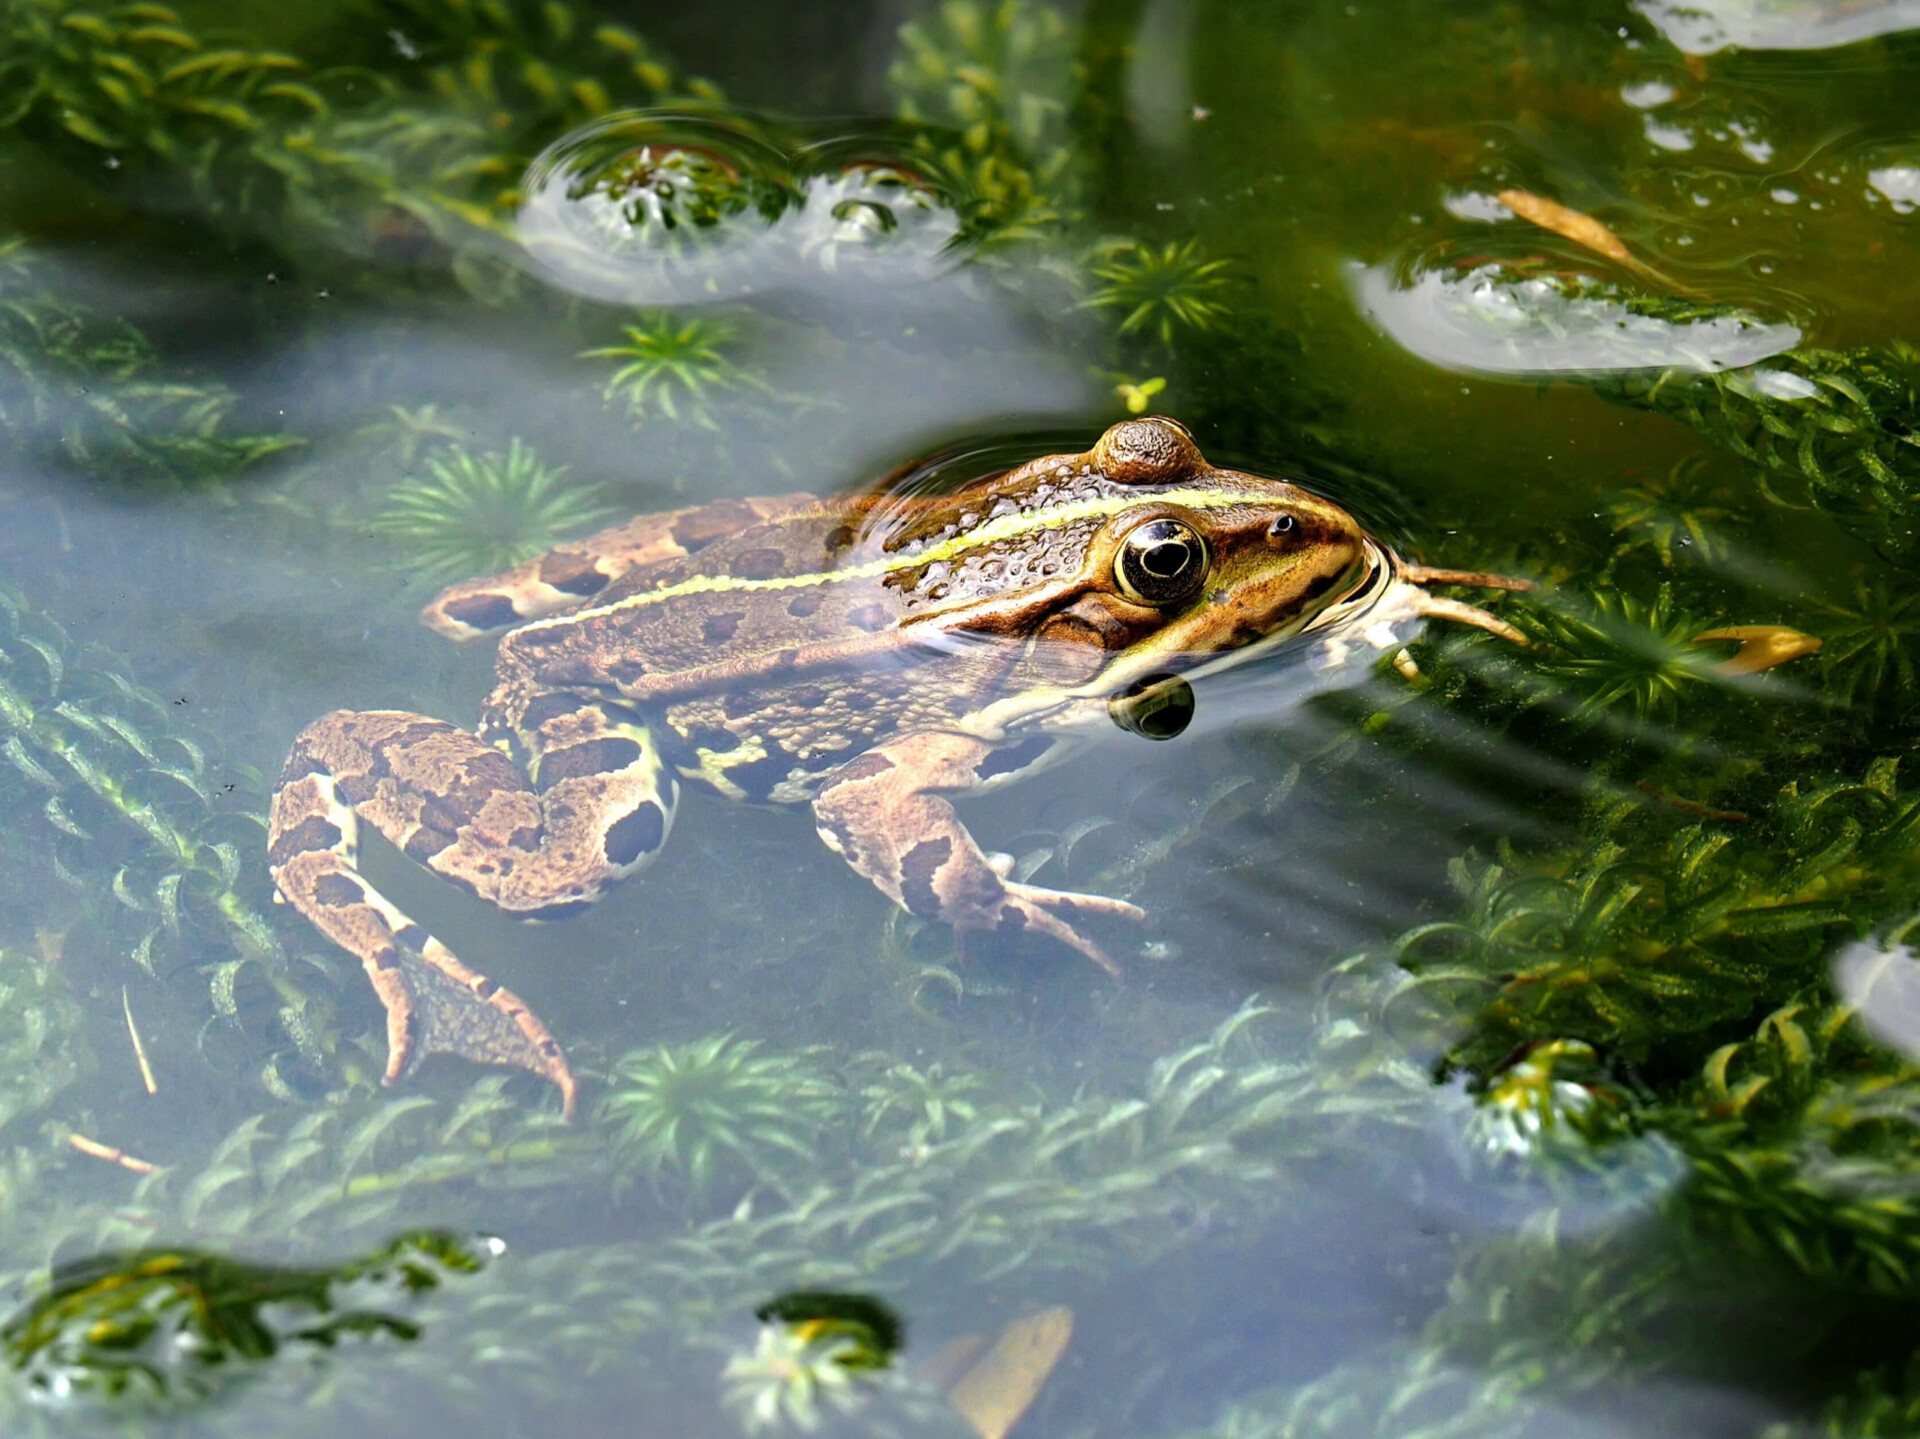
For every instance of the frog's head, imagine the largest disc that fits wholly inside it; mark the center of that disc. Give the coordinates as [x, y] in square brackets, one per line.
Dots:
[1185, 567]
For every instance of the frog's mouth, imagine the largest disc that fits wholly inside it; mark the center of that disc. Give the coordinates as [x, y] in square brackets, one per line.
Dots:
[1396, 589]
[1376, 610]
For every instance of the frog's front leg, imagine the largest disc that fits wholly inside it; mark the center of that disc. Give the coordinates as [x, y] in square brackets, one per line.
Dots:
[536, 847]
[887, 815]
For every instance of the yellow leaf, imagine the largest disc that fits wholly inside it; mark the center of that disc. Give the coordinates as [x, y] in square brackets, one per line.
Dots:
[1761, 647]
[1002, 1385]
[1583, 230]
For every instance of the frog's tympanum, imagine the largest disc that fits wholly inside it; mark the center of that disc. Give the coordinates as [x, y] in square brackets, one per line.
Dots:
[873, 657]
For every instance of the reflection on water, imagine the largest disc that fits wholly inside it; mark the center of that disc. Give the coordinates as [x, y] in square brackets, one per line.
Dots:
[1502, 1054]
[1701, 27]
[1487, 321]
[169, 1328]
[658, 207]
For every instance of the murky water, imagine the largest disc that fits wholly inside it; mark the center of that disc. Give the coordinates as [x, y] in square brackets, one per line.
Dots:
[1519, 1039]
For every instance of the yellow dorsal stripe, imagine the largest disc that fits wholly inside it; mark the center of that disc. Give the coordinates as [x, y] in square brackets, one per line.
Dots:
[992, 532]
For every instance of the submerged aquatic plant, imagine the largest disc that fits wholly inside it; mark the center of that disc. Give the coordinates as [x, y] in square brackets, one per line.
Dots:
[991, 84]
[1684, 509]
[718, 1111]
[1843, 424]
[1162, 291]
[93, 392]
[1871, 644]
[141, 834]
[673, 369]
[1616, 651]
[480, 514]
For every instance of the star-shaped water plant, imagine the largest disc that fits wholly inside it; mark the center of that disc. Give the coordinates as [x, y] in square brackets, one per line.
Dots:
[479, 514]
[1162, 290]
[673, 369]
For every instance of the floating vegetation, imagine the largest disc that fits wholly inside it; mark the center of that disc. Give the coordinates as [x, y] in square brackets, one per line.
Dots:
[481, 514]
[161, 1328]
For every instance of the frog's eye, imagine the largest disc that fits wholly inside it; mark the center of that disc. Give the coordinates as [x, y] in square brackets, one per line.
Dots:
[1162, 562]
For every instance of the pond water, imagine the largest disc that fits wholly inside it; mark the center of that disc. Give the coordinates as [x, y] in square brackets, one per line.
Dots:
[1520, 1039]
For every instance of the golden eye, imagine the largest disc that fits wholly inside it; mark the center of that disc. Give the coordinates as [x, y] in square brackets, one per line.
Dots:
[1161, 563]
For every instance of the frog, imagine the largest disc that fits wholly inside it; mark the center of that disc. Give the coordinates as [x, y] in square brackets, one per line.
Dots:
[871, 657]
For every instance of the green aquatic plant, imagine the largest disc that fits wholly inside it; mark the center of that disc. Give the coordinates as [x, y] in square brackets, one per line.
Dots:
[1616, 652]
[1870, 645]
[40, 1052]
[1842, 426]
[919, 1104]
[408, 432]
[351, 1171]
[141, 831]
[415, 152]
[997, 73]
[716, 1112]
[92, 393]
[174, 1326]
[480, 514]
[1162, 291]
[992, 85]
[673, 369]
[1685, 509]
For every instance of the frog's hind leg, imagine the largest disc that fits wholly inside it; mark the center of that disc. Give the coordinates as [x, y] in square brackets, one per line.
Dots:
[884, 813]
[468, 812]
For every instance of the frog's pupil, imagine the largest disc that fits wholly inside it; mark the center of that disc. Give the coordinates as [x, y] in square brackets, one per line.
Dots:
[1166, 559]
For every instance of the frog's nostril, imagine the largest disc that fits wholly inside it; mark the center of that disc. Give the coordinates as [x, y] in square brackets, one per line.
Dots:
[1283, 525]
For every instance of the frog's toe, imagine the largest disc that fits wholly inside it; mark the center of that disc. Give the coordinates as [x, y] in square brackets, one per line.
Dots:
[440, 1006]
[1021, 913]
[1078, 902]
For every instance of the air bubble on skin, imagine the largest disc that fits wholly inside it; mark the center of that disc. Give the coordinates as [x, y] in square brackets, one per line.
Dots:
[1647, 94]
[1785, 196]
